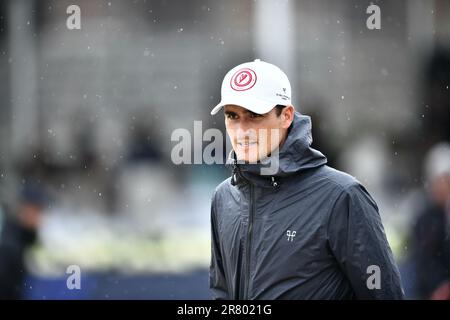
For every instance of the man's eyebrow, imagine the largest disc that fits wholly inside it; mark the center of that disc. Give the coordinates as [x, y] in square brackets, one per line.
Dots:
[254, 113]
[248, 112]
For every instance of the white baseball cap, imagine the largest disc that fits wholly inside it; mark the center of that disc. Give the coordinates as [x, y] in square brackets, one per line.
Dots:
[257, 86]
[437, 161]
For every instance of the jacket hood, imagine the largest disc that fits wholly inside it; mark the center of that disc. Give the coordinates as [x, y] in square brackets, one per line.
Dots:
[294, 156]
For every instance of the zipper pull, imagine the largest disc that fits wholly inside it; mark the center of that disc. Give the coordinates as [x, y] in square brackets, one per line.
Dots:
[275, 184]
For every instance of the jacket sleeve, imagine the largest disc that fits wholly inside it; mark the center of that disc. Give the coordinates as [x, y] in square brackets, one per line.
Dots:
[357, 240]
[217, 281]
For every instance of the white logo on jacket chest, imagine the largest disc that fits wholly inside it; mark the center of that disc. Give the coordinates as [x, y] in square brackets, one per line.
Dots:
[290, 235]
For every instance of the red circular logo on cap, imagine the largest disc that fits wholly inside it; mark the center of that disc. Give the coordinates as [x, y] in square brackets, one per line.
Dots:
[243, 79]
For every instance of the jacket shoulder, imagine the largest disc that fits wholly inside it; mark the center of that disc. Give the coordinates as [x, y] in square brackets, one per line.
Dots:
[221, 189]
[349, 187]
[342, 180]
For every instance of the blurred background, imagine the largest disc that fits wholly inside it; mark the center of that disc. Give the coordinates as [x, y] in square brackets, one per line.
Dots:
[86, 118]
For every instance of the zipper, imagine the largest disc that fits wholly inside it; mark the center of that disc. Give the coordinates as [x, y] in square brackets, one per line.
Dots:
[249, 239]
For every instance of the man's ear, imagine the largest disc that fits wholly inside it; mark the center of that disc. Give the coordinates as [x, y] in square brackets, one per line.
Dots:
[288, 115]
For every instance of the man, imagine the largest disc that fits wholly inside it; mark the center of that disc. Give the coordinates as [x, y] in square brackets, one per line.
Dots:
[303, 231]
[431, 242]
[18, 232]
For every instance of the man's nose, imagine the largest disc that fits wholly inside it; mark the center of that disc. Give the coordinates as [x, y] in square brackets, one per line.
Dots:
[244, 126]
[245, 132]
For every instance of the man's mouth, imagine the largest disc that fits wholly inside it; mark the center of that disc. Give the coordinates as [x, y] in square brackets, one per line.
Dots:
[247, 144]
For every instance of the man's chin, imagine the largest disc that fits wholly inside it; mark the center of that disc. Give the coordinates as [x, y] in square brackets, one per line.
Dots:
[245, 158]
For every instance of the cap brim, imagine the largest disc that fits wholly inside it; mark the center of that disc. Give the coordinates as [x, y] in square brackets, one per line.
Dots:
[253, 105]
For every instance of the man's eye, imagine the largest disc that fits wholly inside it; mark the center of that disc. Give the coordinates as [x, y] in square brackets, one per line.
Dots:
[230, 116]
[255, 115]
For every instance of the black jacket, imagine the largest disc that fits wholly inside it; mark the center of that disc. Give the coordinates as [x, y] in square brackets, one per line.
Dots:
[307, 232]
[14, 240]
[431, 247]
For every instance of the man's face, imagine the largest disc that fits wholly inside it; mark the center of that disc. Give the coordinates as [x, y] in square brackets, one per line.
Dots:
[254, 136]
[440, 190]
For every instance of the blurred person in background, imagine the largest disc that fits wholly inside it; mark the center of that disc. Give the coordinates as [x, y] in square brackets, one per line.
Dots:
[18, 231]
[431, 243]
